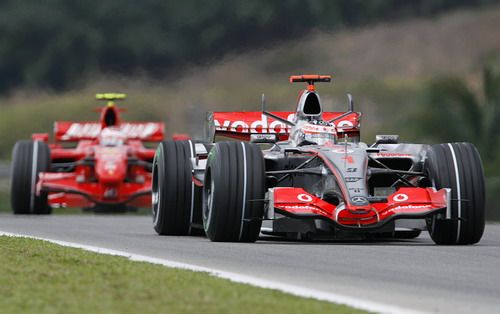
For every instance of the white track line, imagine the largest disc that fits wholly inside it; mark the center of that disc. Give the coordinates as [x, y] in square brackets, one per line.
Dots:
[357, 303]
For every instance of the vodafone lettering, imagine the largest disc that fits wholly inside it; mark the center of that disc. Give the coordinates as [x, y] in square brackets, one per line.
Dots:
[402, 207]
[296, 207]
[257, 126]
[263, 125]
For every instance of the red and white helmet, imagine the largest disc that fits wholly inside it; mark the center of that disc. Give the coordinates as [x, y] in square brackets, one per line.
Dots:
[111, 137]
[316, 132]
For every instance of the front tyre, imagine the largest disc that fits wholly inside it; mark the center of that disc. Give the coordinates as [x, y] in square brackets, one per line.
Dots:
[458, 166]
[29, 158]
[233, 193]
[174, 194]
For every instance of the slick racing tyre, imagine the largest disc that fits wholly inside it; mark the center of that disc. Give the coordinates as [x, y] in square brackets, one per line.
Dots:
[233, 192]
[28, 160]
[457, 166]
[175, 197]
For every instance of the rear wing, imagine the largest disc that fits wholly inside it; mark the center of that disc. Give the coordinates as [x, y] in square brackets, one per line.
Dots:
[75, 131]
[240, 125]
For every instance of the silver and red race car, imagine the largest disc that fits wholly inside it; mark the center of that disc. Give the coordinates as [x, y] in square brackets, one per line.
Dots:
[307, 175]
[100, 165]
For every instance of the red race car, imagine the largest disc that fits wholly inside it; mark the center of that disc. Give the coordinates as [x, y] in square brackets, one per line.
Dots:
[100, 166]
[306, 175]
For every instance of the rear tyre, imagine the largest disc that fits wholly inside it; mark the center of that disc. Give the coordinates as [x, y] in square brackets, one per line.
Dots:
[457, 166]
[233, 192]
[174, 194]
[28, 160]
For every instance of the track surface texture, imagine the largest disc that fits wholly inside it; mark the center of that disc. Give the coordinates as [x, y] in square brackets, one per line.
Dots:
[414, 274]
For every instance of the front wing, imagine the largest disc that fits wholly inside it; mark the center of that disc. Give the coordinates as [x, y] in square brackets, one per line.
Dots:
[64, 190]
[406, 202]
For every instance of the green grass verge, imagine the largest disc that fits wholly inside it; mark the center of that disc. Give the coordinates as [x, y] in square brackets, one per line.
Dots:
[41, 277]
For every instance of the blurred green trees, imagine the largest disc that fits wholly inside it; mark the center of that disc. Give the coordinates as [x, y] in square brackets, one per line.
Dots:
[58, 43]
[453, 111]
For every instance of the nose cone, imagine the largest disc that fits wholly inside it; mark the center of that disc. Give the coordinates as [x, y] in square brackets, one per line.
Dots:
[111, 167]
[110, 172]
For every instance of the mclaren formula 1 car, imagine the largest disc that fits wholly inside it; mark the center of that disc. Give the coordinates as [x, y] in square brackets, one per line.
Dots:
[315, 179]
[100, 165]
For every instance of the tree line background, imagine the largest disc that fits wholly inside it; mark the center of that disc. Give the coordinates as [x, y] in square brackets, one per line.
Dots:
[59, 44]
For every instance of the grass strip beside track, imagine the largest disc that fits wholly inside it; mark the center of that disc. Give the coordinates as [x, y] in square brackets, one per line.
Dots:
[41, 277]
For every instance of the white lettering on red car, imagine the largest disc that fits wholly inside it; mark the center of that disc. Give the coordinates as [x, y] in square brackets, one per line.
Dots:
[92, 130]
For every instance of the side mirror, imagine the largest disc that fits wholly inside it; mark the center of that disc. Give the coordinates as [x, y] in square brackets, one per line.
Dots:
[350, 103]
[263, 138]
[350, 109]
[387, 139]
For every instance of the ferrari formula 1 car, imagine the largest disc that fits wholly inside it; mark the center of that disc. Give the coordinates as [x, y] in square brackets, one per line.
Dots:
[92, 165]
[315, 179]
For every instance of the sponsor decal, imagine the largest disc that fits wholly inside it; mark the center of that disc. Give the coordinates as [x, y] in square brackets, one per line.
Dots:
[329, 144]
[111, 151]
[356, 190]
[139, 130]
[304, 197]
[345, 124]
[155, 196]
[359, 200]
[257, 126]
[352, 179]
[78, 130]
[400, 197]
[297, 207]
[264, 126]
[343, 151]
[349, 159]
[110, 167]
[392, 155]
[92, 130]
[413, 207]
[55, 196]
[263, 137]
[311, 128]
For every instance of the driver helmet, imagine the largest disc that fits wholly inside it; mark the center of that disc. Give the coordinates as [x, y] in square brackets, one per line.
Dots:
[317, 132]
[111, 137]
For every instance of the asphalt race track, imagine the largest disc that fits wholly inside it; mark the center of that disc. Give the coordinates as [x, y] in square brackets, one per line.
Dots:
[414, 274]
